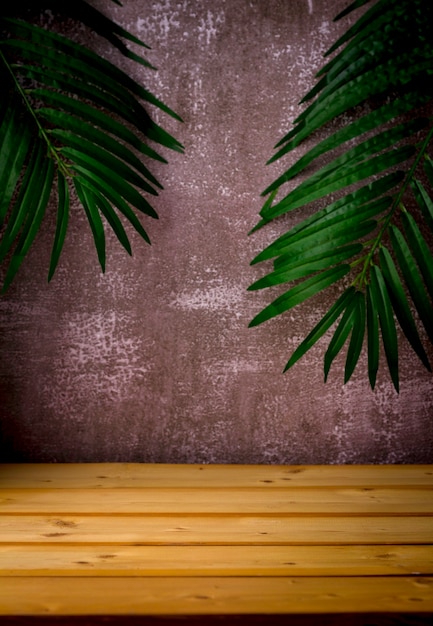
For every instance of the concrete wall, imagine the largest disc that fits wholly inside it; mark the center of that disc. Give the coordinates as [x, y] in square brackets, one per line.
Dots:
[153, 361]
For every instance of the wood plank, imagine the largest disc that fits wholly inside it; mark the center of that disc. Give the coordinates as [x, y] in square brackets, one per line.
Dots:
[116, 475]
[337, 619]
[230, 530]
[213, 595]
[414, 501]
[215, 560]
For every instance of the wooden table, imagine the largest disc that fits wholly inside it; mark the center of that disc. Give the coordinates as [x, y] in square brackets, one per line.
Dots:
[108, 543]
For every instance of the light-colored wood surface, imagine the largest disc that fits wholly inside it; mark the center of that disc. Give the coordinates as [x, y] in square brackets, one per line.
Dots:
[154, 540]
[130, 475]
[218, 530]
[220, 501]
[214, 596]
[215, 560]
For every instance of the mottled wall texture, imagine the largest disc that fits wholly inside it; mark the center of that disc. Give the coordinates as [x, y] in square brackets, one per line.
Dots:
[154, 361]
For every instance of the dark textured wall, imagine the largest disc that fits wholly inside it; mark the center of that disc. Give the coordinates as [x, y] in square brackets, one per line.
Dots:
[153, 361]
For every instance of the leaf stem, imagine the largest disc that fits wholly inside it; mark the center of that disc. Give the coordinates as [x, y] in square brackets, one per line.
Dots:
[361, 280]
[52, 151]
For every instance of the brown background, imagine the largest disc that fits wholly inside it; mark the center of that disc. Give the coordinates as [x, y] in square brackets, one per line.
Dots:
[153, 361]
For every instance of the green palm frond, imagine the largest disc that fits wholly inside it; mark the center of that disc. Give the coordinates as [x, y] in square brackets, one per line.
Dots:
[376, 187]
[70, 119]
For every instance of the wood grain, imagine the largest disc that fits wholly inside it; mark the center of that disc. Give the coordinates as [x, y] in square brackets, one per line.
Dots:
[130, 475]
[219, 501]
[231, 530]
[215, 560]
[213, 595]
[132, 540]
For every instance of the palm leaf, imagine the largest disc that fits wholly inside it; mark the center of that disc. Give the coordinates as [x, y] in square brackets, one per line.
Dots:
[341, 334]
[105, 190]
[62, 222]
[386, 321]
[68, 106]
[113, 219]
[428, 168]
[352, 323]
[107, 159]
[357, 337]
[25, 202]
[303, 264]
[82, 12]
[401, 304]
[69, 115]
[88, 201]
[420, 250]
[28, 211]
[62, 55]
[82, 164]
[15, 144]
[301, 292]
[342, 217]
[346, 169]
[372, 335]
[97, 138]
[413, 279]
[373, 166]
[320, 329]
[424, 201]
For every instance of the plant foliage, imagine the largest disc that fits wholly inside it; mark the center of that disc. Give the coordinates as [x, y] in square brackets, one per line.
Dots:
[69, 119]
[372, 231]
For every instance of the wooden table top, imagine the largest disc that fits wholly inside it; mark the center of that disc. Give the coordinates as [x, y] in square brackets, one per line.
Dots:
[169, 541]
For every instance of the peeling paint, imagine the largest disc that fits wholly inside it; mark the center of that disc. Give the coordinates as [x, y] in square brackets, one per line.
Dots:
[209, 25]
[212, 298]
[98, 355]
